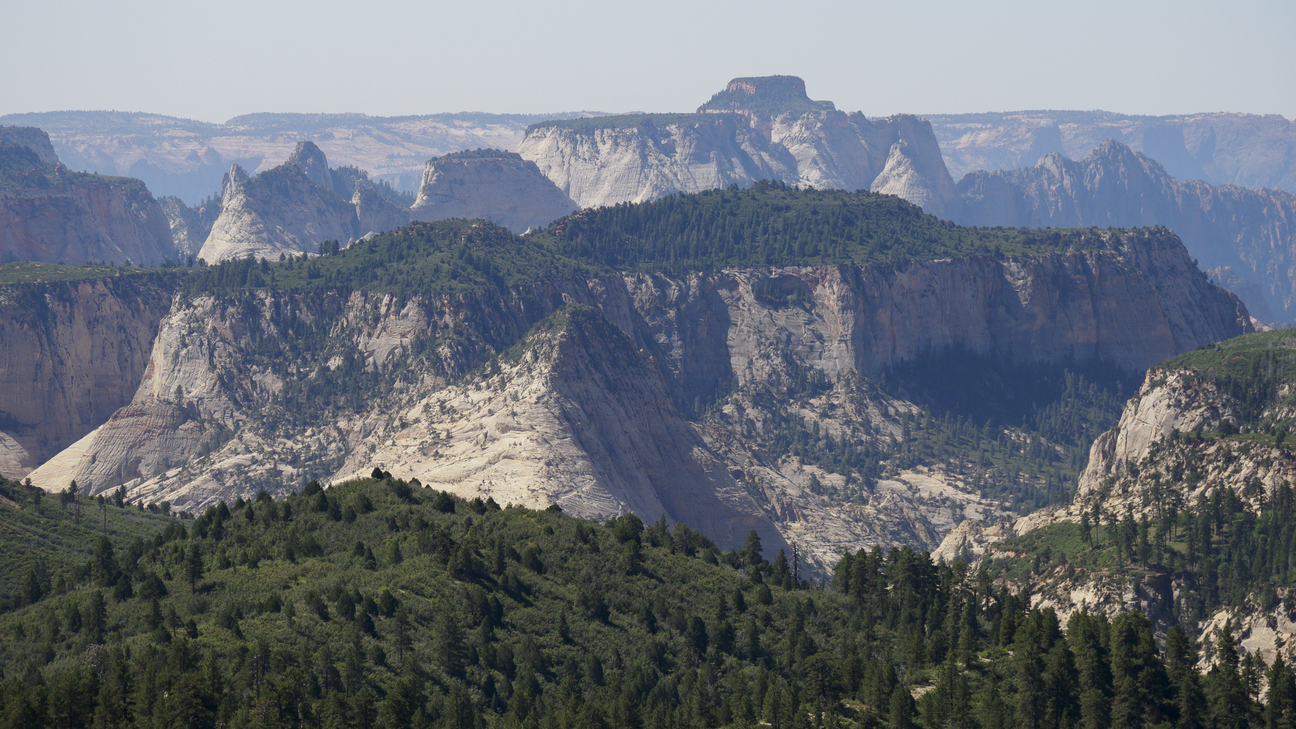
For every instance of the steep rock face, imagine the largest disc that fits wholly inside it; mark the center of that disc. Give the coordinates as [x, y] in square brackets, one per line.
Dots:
[581, 418]
[206, 380]
[311, 161]
[1176, 447]
[71, 353]
[757, 128]
[222, 411]
[280, 211]
[1035, 308]
[1131, 465]
[632, 159]
[827, 148]
[1250, 232]
[49, 214]
[903, 177]
[34, 139]
[492, 185]
[1159, 437]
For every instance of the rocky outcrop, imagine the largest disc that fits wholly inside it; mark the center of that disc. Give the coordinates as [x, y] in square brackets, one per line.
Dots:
[1200, 423]
[1249, 150]
[52, 215]
[577, 416]
[492, 185]
[311, 161]
[904, 176]
[610, 160]
[293, 208]
[279, 212]
[756, 129]
[1250, 232]
[71, 353]
[34, 139]
[1155, 455]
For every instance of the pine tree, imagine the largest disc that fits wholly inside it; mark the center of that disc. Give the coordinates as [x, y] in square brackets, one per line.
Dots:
[1280, 708]
[193, 567]
[901, 709]
[1229, 706]
[451, 653]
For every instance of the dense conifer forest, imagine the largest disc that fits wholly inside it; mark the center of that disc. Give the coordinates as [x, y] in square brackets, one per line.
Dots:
[772, 224]
[381, 603]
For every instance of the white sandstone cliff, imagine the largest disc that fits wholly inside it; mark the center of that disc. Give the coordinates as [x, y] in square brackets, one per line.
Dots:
[491, 185]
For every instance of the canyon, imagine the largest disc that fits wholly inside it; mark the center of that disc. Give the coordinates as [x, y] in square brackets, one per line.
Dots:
[455, 392]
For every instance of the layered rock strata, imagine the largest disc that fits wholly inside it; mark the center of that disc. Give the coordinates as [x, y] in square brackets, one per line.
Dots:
[71, 353]
[52, 215]
[756, 129]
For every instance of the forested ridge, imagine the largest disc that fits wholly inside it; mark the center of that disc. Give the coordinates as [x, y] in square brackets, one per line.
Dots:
[380, 603]
[773, 224]
[768, 224]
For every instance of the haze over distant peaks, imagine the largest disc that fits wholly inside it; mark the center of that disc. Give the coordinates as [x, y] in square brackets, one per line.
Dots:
[1252, 150]
[1242, 236]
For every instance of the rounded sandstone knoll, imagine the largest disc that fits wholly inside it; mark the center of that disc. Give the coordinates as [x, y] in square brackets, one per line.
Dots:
[490, 184]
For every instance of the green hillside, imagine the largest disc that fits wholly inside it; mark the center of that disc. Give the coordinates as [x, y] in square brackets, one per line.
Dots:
[47, 537]
[378, 603]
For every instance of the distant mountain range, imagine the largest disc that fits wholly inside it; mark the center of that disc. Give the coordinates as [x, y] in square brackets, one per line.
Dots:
[1218, 180]
[187, 158]
[1249, 150]
[1244, 237]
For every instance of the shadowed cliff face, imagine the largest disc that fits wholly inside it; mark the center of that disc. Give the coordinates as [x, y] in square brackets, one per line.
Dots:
[236, 396]
[51, 215]
[70, 355]
[1248, 232]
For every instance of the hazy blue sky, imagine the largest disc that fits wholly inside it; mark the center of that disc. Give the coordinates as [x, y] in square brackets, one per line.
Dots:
[214, 60]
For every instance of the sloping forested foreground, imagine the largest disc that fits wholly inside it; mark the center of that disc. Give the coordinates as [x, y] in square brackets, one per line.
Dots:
[379, 603]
